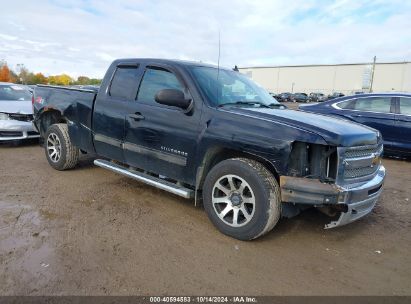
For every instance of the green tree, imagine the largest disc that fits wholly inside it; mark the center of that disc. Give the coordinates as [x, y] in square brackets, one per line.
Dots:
[29, 78]
[39, 78]
[62, 79]
[95, 81]
[83, 80]
[51, 79]
[24, 76]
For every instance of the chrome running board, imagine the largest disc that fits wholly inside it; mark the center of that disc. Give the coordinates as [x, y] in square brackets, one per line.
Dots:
[145, 178]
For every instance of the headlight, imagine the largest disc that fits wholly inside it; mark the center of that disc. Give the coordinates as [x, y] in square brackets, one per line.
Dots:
[4, 116]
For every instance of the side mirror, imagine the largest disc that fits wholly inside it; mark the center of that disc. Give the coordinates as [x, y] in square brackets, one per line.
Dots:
[172, 97]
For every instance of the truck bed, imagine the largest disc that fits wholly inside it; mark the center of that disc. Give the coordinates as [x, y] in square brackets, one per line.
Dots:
[75, 104]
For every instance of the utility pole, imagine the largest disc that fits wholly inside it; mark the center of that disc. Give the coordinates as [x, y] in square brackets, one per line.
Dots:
[372, 74]
[292, 87]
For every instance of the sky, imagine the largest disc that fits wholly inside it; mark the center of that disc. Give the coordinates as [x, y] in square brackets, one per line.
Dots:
[82, 37]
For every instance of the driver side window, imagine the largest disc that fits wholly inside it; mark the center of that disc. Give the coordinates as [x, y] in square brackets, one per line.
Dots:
[154, 80]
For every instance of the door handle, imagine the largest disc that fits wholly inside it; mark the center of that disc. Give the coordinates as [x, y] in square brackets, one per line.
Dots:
[136, 116]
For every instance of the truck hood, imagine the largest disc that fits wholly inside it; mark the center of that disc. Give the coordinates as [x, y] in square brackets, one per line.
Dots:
[334, 131]
[16, 107]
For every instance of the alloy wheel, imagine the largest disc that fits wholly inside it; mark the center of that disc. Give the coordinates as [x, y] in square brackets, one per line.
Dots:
[54, 147]
[233, 200]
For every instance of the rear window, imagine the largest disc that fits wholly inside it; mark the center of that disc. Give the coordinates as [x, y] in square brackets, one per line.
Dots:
[405, 105]
[347, 105]
[14, 92]
[125, 82]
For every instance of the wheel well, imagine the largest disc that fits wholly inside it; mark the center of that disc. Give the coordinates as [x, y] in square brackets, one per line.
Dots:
[49, 118]
[217, 155]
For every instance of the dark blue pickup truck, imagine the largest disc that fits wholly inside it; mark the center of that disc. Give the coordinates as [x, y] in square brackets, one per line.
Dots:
[203, 132]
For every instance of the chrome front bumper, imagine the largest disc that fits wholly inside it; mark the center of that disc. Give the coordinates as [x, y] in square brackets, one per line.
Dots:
[16, 130]
[357, 201]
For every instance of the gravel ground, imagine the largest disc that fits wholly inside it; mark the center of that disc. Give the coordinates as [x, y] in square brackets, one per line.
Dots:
[88, 231]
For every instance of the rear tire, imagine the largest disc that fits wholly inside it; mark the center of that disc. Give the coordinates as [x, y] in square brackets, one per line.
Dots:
[242, 198]
[60, 152]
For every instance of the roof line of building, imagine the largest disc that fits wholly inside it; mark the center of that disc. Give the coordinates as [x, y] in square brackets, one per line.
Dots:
[316, 65]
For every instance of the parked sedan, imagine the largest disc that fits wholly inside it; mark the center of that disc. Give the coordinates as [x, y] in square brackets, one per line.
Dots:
[317, 97]
[389, 113]
[275, 96]
[16, 113]
[299, 97]
[335, 95]
[284, 97]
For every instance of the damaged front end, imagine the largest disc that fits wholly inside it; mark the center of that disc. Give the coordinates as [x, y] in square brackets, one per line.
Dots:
[342, 182]
[16, 126]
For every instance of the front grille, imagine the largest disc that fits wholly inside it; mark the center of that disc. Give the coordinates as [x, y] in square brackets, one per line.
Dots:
[359, 172]
[21, 117]
[356, 152]
[360, 163]
[10, 134]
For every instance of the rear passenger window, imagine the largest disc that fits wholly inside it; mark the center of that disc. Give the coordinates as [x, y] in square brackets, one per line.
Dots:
[374, 104]
[124, 83]
[347, 105]
[154, 80]
[405, 106]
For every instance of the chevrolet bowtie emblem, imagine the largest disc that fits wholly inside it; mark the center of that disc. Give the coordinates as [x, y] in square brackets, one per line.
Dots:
[375, 160]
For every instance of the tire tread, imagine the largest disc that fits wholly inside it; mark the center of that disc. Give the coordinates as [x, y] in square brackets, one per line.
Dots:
[267, 183]
[274, 211]
[71, 156]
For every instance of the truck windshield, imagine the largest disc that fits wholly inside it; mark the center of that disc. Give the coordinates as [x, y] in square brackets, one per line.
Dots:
[14, 92]
[225, 87]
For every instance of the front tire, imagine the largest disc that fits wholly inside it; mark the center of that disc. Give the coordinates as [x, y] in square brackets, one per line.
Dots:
[60, 152]
[242, 198]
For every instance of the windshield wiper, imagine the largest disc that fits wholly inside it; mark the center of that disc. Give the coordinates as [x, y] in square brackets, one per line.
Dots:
[244, 103]
[262, 105]
[277, 105]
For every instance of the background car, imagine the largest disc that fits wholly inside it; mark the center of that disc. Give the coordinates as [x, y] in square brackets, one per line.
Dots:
[317, 97]
[16, 113]
[299, 97]
[335, 95]
[275, 96]
[30, 87]
[389, 113]
[284, 97]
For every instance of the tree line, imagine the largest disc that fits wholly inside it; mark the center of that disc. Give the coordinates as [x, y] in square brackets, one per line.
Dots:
[24, 76]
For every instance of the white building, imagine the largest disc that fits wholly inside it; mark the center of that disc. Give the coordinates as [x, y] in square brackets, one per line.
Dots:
[344, 78]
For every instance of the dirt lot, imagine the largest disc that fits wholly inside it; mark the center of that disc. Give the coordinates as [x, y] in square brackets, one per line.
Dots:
[91, 232]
